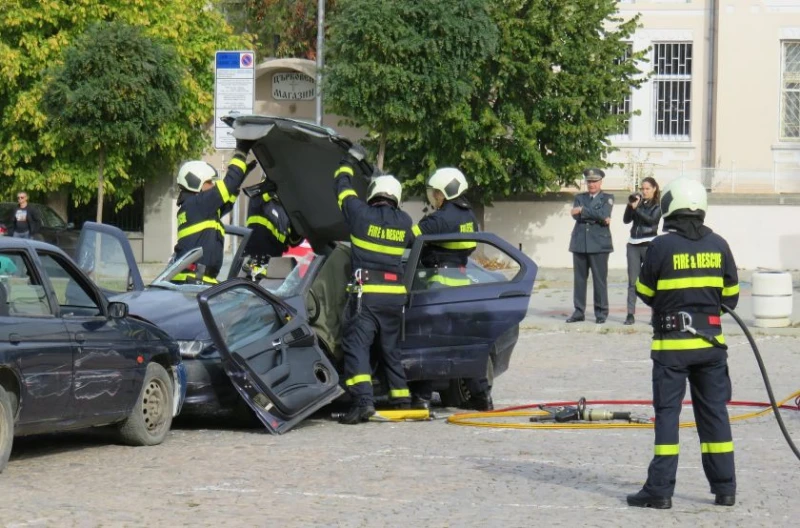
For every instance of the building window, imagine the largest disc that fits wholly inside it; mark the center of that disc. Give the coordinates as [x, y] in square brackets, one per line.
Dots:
[790, 86]
[672, 85]
[624, 106]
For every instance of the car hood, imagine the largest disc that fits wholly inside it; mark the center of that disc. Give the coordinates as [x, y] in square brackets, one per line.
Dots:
[175, 312]
[301, 158]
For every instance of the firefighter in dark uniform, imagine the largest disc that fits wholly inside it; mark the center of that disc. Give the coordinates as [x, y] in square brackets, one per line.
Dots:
[452, 214]
[202, 202]
[379, 233]
[272, 230]
[687, 274]
[590, 245]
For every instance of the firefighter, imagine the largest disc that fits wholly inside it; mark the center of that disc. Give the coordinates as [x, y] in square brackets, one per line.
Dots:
[452, 214]
[272, 230]
[379, 233]
[687, 274]
[202, 202]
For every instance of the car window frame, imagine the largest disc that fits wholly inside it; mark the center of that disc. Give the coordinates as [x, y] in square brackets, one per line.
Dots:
[31, 260]
[79, 276]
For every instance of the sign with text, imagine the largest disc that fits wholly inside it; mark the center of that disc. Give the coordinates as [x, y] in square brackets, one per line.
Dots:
[234, 91]
[293, 86]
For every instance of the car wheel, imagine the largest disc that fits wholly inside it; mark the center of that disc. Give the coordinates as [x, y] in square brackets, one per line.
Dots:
[6, 428]
[151, 417]
[457, 394]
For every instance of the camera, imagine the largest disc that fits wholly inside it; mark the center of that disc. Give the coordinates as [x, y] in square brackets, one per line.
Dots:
[635, 196]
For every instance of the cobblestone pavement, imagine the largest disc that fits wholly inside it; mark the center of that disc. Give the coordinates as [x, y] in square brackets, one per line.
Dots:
[425, 474]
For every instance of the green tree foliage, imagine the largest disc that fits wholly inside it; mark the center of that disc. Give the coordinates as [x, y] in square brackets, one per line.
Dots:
[33, 37]
[394, 66]
[99, 111]
[541, 109]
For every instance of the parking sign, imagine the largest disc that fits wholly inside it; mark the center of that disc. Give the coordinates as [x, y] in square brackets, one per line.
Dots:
[234, 91]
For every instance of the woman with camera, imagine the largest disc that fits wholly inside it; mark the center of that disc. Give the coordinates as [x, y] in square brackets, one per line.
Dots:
[644, 210]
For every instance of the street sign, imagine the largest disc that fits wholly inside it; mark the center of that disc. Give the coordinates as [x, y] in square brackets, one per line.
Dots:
[234, 91]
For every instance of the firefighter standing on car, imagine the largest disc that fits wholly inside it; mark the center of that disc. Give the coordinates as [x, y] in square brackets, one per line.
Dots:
[687, 274]
[448, 260]
[379, 233]
[202, 202]
[272, 230]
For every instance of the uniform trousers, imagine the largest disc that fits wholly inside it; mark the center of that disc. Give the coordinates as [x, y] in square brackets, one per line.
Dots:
[581, 264]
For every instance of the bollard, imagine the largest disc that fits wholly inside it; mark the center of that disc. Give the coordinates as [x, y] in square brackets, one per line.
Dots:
[772, 298]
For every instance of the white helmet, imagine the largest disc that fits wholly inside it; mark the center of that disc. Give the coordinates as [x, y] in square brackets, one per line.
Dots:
[449, 180]
[385, 186]
[684, 194]
[194, 174]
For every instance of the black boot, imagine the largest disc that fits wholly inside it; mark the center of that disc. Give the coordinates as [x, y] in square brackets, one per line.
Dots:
[480, 402]
[645, 500]
[418, 402]
[629, 320]
[357, 414]
[725, 500]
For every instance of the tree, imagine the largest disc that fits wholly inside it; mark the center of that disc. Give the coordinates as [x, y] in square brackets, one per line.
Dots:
[113, 89]
[542, 107]
[394, 66]
[33, 37]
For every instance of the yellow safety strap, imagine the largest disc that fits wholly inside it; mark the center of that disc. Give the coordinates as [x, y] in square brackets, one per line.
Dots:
[416, 230]
[201, 226]
[689, 282]
[449, 281]
[377, 248]
[344, 194]
[344, 169]
[644, 290]
[236, 162]
[456, 245]
[223, 191]
[399, 393]
[264, 221]
[660, 345]
[715, 448]
[383, 288]
[667, 449]
[359, 378]
[730, 290]
[184, 276]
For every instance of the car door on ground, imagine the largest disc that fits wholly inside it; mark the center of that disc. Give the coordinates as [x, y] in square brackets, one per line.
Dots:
[36, 340]
[269, 352]
[449, 330]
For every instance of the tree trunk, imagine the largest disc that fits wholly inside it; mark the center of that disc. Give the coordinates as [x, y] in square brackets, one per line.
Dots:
[381, 151]
[100, 187]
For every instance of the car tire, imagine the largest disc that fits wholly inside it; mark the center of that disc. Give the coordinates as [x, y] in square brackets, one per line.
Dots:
[151, 417]
[457, 394]
[6, 427]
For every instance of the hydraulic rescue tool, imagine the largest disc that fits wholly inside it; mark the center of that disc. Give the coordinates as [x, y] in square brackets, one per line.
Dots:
[581, 413]
[397, 415]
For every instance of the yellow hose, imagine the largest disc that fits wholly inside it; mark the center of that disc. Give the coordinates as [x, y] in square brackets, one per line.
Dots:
[475, 419]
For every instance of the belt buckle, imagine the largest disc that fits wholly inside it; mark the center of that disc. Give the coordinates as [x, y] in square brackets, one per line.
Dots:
[685, 323]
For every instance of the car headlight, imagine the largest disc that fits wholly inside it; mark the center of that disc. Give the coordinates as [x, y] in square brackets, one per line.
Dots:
[192, 349]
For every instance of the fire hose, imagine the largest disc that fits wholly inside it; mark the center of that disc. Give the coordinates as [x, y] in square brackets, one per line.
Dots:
[575, 415]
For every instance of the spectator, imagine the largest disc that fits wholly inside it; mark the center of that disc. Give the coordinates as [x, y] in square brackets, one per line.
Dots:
[644, 211]
[27, 221]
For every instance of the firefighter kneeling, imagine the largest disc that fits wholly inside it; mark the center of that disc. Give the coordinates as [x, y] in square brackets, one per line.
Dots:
[379, 232]
[687, 274]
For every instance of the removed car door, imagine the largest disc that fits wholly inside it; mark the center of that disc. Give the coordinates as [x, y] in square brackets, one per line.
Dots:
[269, 352]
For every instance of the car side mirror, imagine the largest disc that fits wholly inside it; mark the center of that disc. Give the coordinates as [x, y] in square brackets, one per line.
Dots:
[117, 310]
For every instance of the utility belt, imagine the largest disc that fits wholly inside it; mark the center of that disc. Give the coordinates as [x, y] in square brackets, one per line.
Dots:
[194, 274]
[693, 323]
[376, 281]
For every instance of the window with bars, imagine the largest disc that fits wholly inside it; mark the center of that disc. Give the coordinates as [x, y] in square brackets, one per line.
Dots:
[672, 86]
[790, 88]
[624, 106]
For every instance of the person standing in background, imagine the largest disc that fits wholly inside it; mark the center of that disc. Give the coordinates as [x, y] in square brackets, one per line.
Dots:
[27, 221]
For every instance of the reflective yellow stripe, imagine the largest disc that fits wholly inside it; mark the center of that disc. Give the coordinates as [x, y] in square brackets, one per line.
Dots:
[359, 378]
[201, 226]
[223, 191]
[383, 288]
[416, 230]
[236, 162]
[683, 344]
[644, 290]
[448, 281]
[716, 448]
[184, 276]
[399, 393]
[667, 449]
[264, 221]
[457, 245]
[266, 197]
[344, 194]
[689, 282]
[377, 248]
[344, 169]
[730, 290]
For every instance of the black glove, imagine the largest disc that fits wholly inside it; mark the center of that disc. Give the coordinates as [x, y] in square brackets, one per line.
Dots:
[250, 166]
[268, 186]
[244, 145]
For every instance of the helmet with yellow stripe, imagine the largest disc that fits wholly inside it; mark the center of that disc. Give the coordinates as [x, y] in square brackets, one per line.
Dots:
[194, 174]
